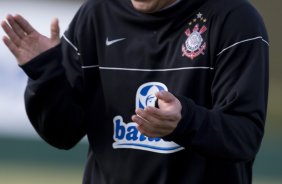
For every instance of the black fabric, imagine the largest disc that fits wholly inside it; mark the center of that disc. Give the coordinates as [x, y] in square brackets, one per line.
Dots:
[212, 54]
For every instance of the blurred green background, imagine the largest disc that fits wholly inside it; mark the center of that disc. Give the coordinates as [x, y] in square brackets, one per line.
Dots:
[268, 166]
[32, 161]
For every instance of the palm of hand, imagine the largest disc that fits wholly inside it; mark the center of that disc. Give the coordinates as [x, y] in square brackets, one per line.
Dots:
[32, 45]
[159, 122]
[24, 41]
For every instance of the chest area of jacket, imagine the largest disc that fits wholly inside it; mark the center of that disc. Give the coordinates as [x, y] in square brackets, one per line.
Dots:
[186, 45]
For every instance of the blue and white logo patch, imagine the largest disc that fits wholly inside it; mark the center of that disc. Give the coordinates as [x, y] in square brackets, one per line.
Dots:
[146, 94]
[126, 135]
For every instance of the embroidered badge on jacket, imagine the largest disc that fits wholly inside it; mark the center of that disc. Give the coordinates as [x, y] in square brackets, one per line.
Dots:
[195, 44]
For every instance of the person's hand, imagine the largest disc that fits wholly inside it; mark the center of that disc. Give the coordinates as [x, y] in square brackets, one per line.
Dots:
[24, 41]
[159, 122]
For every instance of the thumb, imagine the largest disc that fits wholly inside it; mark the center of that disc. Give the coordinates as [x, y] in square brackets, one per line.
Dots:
[55, 30]
[165, 96]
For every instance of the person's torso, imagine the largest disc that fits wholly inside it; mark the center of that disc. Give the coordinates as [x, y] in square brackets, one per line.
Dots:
[137, 56]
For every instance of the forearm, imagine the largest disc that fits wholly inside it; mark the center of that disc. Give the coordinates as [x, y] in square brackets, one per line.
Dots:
[219, 134]
[53, 106]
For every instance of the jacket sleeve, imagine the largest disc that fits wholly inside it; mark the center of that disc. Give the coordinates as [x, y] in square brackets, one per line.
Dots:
[233, 128]
[54, 96]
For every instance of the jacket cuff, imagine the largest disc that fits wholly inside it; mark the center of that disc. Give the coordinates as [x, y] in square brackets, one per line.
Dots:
[44, 64]
[186, 116]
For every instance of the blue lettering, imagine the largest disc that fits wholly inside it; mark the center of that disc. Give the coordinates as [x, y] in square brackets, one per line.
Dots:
[120, 130]
[156, 139]
[132, 133]
[142, 137]
[126, 135]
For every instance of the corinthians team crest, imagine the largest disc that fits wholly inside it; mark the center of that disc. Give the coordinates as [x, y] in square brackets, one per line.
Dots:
[195, 44]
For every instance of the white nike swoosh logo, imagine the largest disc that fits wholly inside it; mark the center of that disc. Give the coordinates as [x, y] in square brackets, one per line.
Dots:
[110, 42]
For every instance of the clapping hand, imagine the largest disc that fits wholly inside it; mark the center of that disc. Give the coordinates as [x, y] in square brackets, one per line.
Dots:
[159, 122]
[24, 41]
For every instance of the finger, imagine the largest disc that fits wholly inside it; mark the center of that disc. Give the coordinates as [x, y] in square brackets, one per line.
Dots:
[15, 26]
[55, 30]
[147, 116]
[147, 131]
[139, 120]
[13, 37]
[165, 96]
[143, 122]
[147, 128]
[157, 113]
[143, 131]
[24, 24]
[11, 46]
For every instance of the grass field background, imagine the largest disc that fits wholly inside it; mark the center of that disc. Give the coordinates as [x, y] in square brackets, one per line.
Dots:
[30, 161]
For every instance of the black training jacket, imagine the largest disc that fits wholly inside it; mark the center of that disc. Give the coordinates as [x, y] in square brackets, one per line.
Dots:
[211, 54]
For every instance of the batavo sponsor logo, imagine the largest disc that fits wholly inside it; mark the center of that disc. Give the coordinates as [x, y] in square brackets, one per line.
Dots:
[126, 135]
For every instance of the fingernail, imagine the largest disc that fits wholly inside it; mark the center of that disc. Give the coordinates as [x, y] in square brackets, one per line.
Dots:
[138, 111]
